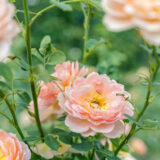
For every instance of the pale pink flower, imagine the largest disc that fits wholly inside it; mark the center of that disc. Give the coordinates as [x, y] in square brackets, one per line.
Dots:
[125, 14]
[138, 146]
[125, 156]
[47, 102]
[8, 27]
[117, 18]
[67, 72]
[12, 149]
[96, 105]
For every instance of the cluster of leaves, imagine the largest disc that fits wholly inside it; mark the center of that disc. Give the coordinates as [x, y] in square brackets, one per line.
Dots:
[81, 147]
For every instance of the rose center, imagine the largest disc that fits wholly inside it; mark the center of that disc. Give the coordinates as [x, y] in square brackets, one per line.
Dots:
[98, 102]
[2, 155]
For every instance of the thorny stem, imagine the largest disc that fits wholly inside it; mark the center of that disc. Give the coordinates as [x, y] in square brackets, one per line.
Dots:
[29, 56]
[15, 122]
[87, 15]
[146, 103]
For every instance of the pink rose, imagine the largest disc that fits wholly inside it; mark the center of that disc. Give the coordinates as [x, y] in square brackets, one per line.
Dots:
[9, 28]
[67, 72]
[125, 14]
[12, 149]
[96, 105]
[47, 102]
[117, 18]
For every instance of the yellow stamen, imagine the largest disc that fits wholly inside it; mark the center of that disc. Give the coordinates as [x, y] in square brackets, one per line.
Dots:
[98, 102]
[2, 155]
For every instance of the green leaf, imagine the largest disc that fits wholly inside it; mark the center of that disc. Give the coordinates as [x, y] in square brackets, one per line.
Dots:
[107, 154]
[45, 41]
[6, 72]
[83, 146]
[91, 43]
[24, 96]
[46, 47]
[36, 54]
[22, 80]
[56, 58]
[62, 6]
[64, 136]
[132, 119]
[4, 85]
[150, 124]
[51, 142]
[41, 73]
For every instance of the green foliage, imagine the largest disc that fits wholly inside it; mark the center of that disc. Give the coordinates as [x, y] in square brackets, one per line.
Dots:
[63, 135]
[56, 58]
[149, 124]
[132, 119]
[6, 72]
[51, 142]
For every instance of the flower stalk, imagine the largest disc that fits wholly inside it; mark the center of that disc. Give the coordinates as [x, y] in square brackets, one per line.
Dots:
[31, 77]
[87, 15]
[146, 103]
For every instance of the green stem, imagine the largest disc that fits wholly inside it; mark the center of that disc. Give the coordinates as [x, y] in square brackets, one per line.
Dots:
[29, 56]
[87, 15]
[146, 104]
[14, 118]
[15, 122]
[92, 154]
[69, 1]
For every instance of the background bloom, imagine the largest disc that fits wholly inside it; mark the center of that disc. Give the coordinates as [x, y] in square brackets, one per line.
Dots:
[8, 27]
[125, 14]
[117, 18]
[138, 146]
[92, 105]
[11, 148]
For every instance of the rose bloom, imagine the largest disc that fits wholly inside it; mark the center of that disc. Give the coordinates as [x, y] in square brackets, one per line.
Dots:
[47, 99]
[47, 102]
[8, 27]
[125, 14]
[67, 72]
[12, 149]
[96, 104]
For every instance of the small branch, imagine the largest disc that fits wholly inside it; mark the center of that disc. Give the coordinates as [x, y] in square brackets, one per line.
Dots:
[69, 1]
[31, 77]
[146, 104]
[87, 15]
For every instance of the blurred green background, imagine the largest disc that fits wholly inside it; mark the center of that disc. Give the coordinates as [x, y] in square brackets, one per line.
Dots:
[124, 61]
